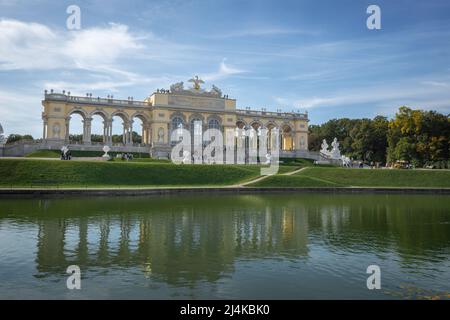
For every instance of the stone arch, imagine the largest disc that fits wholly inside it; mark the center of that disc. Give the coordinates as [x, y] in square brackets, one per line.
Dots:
[85, 137]
[196, 116]
[271, 124]
[271, 139]
[80, 111]
[256, 124]
[241, 124]
[287, 137]
[145, 129]
[141, 115]
[286, 127]
[126, 123]
[102, 114]
[121, 114]
[178, 114]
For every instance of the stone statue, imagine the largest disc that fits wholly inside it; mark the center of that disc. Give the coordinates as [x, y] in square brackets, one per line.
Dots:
[197, 82]
[346, 162]
[161, 135]
[335, 152]
[324, 148]
[177, 87]
[106, 149]
[215, 91]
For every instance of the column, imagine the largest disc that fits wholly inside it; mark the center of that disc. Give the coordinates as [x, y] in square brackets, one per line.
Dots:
[44, 131]
[130, 132]
[109, 132]
[87, 131]
[104, 131]
[124, 133]
[67, 136]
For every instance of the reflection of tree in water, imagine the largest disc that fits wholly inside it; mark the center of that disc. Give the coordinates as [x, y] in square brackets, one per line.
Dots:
[414, 226]
[191, 239]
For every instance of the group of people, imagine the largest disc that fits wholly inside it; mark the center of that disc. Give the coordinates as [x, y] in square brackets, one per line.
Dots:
[127, 156]
[66, 154]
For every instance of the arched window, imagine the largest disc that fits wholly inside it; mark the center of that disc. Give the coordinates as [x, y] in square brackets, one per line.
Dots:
[177, 123]
[196, 127]
[214, 124]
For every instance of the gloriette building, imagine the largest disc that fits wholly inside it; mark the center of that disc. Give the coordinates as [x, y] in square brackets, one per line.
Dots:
[160, 113]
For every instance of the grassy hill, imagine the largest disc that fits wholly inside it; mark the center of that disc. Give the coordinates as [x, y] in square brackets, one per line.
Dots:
[340, 177]
[147, 173]
[78, 153]
[31, 172]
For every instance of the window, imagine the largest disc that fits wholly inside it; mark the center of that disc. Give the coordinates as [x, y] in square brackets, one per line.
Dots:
[214, 124]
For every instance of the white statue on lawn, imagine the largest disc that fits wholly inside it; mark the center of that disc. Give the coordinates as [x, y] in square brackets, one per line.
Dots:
[106, 149]
[346, 161]
[324, 148]
[335, 152]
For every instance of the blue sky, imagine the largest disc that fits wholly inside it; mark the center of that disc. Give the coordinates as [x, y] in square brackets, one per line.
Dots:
[304, 55]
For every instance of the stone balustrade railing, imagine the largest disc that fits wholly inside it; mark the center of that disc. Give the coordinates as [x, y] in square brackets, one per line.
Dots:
[296, 115]
[93, 100]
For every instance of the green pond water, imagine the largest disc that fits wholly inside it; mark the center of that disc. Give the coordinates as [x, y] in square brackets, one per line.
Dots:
[265, 246]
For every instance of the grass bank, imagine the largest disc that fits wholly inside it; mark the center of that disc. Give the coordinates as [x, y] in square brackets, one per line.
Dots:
[42, 173]
[340, 177]
[79, 153]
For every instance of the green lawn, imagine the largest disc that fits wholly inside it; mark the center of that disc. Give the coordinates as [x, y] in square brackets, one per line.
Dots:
[150, 173]
[40, 173]
[299, 162]
[340, 177]
[294, 181]
[78, 153]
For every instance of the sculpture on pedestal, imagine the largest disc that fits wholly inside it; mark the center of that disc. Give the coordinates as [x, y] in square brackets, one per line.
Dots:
[324, 148]
[106, 149]
[335, 152]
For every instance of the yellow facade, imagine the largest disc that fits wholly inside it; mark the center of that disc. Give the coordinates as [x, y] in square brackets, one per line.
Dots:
[159, 113]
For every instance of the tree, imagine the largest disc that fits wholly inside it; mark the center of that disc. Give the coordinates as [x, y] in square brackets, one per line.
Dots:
[424, 134]
[17, 137]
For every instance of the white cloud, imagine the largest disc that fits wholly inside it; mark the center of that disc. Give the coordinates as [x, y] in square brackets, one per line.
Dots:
[89, 48]
[28, 46]
[262, 32]
[419, 94]
[34, 46]
[223, 72]
[24, 104]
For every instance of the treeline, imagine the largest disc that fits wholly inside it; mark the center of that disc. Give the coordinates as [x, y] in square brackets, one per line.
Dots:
[416, 136]
[116, 138]
[17, 137]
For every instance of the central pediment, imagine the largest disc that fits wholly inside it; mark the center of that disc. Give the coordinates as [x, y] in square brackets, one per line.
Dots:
[192, 97]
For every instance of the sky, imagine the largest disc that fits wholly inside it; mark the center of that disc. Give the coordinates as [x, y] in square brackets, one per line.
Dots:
[299, 55]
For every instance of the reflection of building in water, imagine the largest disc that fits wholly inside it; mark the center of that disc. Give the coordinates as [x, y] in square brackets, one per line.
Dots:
[51, 239]
[181, 239]
[176, 246]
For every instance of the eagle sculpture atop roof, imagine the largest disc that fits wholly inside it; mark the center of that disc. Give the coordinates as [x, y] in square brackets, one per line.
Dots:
[196, 81]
